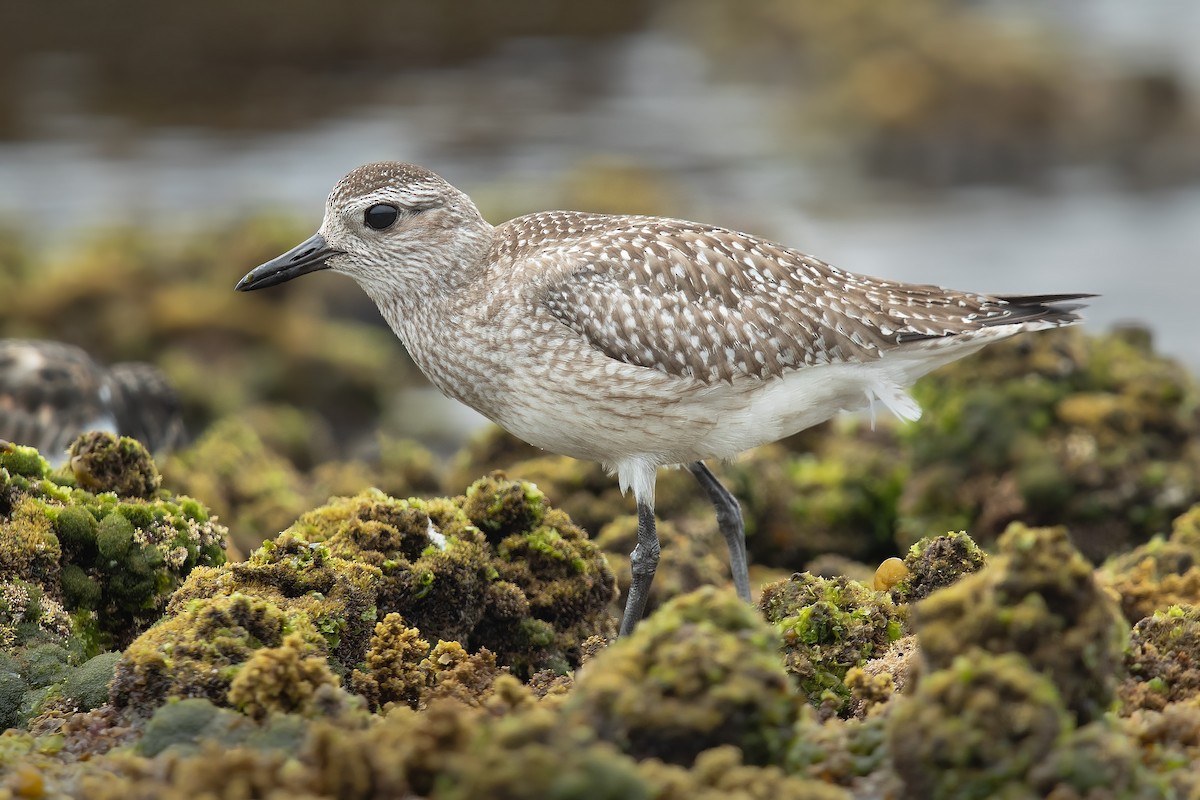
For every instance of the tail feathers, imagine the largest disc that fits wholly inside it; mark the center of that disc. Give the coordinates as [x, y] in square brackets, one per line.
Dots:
[1055, 309]
[1045, 310]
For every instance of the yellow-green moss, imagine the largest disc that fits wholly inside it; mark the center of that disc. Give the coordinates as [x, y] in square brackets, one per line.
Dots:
[283, 679]
[1163, 660]
[936, 562]
[1037, 597]
[973, 730]
[102, 462]
[700, 672]
[827, 626]
[1161, 573]
[199, 651]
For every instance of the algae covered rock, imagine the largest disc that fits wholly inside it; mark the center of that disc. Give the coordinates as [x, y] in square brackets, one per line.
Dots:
[1037, 597]
[827, 626]
[1160, 573]
[200, 651]
[975, 728]
[108, 560]
[702, 671]
[1093, 432]
[370, 582]
[934, 563]
[1163, 660]
[991, 725]
[102, 462]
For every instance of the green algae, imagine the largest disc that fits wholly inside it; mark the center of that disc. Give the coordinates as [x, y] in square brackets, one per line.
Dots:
[936, 562]
[86, 687]
[1036, 597]
[701, 672]
[826, 626]
[984, 721]
[102, 462]
[1093, 432]
[1162, 660]
[366, 579]
[84, 571]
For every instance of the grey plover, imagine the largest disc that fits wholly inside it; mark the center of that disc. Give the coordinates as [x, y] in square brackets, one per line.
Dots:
[51, 392]
[635, 341]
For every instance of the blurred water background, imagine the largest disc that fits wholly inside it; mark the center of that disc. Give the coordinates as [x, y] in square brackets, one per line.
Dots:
[1025, 146]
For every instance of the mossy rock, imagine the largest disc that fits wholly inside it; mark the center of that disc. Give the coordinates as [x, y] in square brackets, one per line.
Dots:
[827, 626]
[1037, 597]
[701, 672]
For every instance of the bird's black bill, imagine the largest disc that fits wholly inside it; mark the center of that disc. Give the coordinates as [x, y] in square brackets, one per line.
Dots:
[308, 256]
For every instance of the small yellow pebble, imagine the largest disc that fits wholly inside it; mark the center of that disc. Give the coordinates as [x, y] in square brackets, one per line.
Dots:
[890, 572]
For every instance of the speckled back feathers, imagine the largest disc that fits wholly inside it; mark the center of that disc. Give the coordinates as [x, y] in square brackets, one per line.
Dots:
[717, 305]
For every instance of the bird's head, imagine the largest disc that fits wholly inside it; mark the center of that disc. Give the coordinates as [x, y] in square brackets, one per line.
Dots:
[389, 226]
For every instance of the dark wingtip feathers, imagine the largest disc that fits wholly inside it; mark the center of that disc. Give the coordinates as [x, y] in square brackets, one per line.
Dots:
[1054, 308]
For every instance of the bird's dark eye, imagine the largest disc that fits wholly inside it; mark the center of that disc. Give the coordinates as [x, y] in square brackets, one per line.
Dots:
[380, 216]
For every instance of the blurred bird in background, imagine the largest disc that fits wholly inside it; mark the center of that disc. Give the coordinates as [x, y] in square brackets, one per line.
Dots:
[51, 392]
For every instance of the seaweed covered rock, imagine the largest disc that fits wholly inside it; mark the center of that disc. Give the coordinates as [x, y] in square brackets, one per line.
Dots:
[991, 725]
[449, 752]
[976, 728]
[845, 752]
[1169, 741]
[193, 726]
[1163, 660]
[550, 562]
[202, 650]
[401, 667]
[1037, 597]
[827, 626]
[379, 579]
[1161, 573]
[336, 595]
[102, 462]
[700, 672]
[1093, 432]
[110, 562]
[86, 686]
[934, 563]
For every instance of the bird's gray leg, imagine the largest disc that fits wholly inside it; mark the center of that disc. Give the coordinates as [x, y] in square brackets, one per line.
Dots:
[642, 565]
[729, 520]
